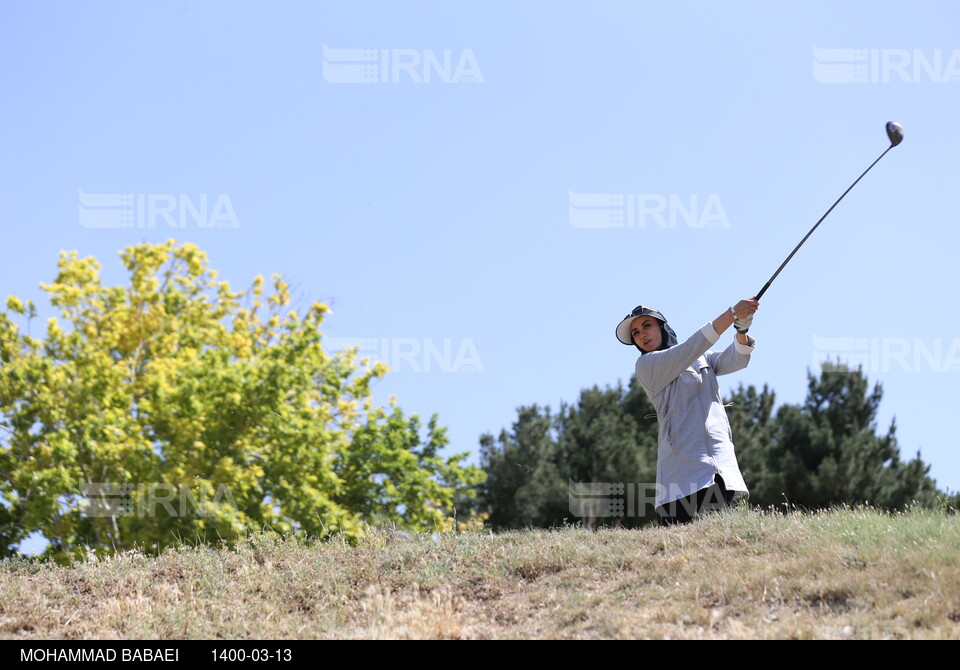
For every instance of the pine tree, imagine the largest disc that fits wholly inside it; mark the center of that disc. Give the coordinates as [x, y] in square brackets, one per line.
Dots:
[603, 438]
[826, 451]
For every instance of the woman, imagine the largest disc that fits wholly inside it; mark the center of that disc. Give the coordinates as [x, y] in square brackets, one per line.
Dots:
[696, 465]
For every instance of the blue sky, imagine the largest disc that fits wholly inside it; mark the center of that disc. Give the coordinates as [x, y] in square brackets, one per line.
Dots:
[448, 221]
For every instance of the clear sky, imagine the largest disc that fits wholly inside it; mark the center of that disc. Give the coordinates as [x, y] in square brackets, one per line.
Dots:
[481, 190]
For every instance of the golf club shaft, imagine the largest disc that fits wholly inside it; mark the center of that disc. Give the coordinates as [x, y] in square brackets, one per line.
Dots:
[782, 265]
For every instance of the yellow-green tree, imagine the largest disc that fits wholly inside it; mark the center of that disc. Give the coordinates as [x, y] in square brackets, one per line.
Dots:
[177, 410]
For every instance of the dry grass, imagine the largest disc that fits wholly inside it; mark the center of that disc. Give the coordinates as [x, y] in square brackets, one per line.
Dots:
[743, 574]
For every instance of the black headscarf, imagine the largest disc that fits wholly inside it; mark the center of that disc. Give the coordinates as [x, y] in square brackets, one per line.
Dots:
[669, 338]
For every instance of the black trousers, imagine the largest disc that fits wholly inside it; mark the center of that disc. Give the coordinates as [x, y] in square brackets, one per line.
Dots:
[714, 497]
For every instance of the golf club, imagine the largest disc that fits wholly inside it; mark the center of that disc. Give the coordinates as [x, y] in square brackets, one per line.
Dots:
[895, 133]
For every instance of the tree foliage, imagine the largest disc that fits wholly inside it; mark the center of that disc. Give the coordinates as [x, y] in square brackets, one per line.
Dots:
[826, 451]
[210, 412]
[823, 452]
[604, 438]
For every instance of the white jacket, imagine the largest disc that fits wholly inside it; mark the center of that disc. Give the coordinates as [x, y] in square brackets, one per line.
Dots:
[695, 442]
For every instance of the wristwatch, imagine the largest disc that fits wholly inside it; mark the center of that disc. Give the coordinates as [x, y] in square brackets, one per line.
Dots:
[734, 312]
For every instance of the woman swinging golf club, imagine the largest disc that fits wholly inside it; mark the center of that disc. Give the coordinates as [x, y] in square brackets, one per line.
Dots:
[696, 466]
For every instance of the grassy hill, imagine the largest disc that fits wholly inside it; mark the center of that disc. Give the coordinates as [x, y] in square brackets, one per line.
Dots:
[744, 574]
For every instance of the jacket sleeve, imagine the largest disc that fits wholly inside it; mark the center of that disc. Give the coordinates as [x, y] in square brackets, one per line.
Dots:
[733, 358]
[658, 368]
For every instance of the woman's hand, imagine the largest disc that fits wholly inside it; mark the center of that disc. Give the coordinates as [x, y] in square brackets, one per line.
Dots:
[746, 307]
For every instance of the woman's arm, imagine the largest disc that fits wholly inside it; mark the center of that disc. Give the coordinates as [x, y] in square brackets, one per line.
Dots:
[725, 320]
[658, 368]
[732, 359]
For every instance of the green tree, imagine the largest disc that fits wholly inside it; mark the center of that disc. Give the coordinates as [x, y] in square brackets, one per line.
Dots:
[603, 438]
[515, 466]
[823, 452]
[826, 451]
[752, 423]
[220, 412]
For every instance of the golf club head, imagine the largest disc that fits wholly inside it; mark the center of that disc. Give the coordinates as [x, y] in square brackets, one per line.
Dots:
[894, 132]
